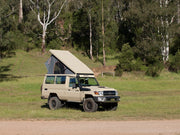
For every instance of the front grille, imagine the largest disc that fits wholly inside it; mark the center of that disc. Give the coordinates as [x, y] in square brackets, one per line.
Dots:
[109, 93]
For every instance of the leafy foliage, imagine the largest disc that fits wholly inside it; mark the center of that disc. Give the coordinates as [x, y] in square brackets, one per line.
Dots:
[126, 58]
[146, 26]
[175, 63]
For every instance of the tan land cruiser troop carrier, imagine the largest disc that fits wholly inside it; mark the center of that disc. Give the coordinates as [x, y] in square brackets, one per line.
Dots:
[70, 80]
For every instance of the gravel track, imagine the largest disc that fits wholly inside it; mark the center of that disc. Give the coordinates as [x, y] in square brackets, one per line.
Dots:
[154, 127]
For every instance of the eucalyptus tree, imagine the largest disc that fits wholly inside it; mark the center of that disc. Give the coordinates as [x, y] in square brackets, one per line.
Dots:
[166, 18]
[90, 6]
[45, 16]
[20, 11]
[178, 11]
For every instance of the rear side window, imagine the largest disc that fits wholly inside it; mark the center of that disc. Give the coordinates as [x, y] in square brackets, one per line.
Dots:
[50, 79]
[60, 79]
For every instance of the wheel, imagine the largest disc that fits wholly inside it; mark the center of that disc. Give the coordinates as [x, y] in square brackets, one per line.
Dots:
[89, 105]
[110, 106]
[54, 103]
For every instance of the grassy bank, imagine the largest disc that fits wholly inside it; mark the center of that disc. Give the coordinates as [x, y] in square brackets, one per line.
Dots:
[141, 97]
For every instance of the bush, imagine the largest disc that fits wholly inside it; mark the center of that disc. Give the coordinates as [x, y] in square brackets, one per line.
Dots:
[118, 71]
[55, 44]
[138, 65]
[154, 70]
[126, 58]
[174, 63]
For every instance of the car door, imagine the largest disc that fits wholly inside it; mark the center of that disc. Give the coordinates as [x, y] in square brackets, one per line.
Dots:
[73, 90]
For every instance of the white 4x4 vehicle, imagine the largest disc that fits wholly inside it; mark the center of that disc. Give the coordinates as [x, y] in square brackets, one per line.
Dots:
[75, 86]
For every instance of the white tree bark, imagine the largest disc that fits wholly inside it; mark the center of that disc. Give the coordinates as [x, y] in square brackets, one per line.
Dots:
[45, 20]
[165, 23]
[20, 11]
[90, 36]
[104, 53]
[178, 12]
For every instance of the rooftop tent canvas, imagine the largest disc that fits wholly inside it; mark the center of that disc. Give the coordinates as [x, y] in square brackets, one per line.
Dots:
[64, 62]
[54, 66]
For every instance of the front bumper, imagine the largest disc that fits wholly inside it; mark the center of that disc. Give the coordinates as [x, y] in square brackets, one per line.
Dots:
[107, 99]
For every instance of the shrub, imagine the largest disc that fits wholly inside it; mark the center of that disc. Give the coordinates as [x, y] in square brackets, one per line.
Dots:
[154, 70]
[138, 65]
[55, 44]
[174, 63]
[118, 71]
[126, 58]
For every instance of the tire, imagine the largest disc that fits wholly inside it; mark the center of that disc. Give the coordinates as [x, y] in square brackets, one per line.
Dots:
[89, 105]
[111, 106]
[54, 103]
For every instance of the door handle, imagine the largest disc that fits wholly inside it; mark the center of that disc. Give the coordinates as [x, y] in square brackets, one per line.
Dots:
[45, 89]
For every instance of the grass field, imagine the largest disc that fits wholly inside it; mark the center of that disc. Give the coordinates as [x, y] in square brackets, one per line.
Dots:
[141, 97]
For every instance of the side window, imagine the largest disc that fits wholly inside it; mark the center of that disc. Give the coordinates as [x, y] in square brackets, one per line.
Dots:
[72, 82]
[60, 79]
[50, 79]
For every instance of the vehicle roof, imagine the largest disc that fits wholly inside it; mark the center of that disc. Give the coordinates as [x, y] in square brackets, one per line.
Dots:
[73, 63]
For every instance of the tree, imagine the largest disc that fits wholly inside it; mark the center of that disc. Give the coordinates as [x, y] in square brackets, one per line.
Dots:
[103, 35]
[89, 6]
[167, 16]
[20, 11]
[80, 30]
[178, 12]
[8, 23]
[44, 19]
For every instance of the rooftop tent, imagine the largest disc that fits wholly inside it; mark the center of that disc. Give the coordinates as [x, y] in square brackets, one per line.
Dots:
[64, 62]
[54, 66]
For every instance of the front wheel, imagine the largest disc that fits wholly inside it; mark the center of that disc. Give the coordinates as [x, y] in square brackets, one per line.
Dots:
[54, 103]
[89, 105]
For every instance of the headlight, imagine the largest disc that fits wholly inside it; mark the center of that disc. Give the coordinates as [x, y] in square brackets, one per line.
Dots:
[100, 93]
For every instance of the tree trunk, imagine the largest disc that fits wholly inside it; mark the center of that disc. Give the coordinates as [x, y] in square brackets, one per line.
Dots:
[20, 12]
[46, 19]
[90, 37]
[104, 53]
[178, 5]
[165, 23]
[43, 42]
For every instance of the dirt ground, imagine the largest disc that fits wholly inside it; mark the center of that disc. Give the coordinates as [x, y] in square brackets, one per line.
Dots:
[163, 127]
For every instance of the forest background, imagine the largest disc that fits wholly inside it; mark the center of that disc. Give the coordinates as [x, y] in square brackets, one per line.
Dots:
[144, 33]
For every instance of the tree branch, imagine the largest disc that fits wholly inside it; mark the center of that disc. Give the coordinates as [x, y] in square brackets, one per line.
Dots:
[58, 13]
[172, 20]
[49, 11]
[39, 19]
[32, 2]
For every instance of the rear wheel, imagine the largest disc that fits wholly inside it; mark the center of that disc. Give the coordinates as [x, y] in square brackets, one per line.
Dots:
[54, 103]
[89, 105]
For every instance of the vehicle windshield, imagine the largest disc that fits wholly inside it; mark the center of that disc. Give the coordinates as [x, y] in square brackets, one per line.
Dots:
[88, 81]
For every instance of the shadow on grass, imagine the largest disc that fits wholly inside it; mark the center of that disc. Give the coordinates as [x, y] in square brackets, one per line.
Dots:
[69, 105]
[45, 106]
[75, 106]
[7, 77]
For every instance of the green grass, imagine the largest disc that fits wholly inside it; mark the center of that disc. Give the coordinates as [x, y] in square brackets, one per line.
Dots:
[141, 97]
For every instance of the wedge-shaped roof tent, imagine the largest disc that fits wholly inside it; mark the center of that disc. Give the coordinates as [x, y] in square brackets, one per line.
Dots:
[64, 62]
